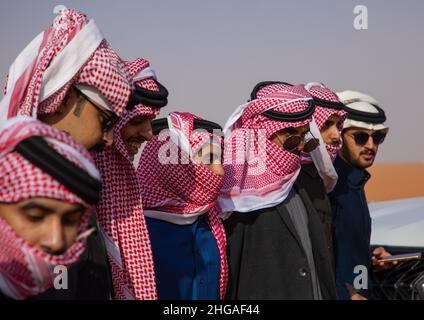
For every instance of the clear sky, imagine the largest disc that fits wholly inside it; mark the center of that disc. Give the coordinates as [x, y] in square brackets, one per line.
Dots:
[210, 54]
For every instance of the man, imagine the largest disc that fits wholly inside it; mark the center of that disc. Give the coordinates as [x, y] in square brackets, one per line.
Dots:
[318, 176]
[363, 132]
[120, 212]
[48, 185]
[180, 192]
[70, 78]
[276, 242]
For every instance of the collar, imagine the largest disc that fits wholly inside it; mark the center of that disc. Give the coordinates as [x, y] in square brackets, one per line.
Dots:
[354, 176]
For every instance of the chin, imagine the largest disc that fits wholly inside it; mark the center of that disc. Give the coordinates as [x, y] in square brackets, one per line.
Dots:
[365, 164]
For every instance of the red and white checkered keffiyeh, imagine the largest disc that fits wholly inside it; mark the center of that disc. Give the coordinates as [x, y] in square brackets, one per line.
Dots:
[258, 173]
[186, 188]
[71, 51]
[25, 270]
[324, 155]
[120, 212]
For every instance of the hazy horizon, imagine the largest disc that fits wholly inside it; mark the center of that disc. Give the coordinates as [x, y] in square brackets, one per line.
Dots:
[210, 54]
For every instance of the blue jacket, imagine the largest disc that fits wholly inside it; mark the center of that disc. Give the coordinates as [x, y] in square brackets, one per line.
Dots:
[352, 226]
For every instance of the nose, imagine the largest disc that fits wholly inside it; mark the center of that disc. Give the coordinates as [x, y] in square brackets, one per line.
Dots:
[301, 145]
[108, 137]
[335, 133]
[370, 144]
[53, 241]
[147, 131]
[148, 135]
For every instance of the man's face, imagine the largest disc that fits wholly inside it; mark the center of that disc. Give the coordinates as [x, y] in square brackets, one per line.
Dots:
[358, 154]
[330, 130]
[83, 120]
[135, 132]
[50, 225]
[280, 137]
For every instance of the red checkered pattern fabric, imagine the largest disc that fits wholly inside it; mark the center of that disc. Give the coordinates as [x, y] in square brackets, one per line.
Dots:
[322, 114]
[255, 166]
[279, 97]
[25, 269]
[104, 70]
[172, 185]
[120, 212]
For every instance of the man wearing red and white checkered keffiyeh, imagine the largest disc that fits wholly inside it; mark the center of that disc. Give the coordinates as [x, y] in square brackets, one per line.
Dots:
[48, 185]
[70, 78]
[318, 176]
[276, 242]
[119, 212]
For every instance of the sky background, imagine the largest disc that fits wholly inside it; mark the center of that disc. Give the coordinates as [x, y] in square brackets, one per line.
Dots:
[210, 54]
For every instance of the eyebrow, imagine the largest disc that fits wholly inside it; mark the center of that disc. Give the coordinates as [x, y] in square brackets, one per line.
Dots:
[80, 209]
[35, 205]
[50, 210]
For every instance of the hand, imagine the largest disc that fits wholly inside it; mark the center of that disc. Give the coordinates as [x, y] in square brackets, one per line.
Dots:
[380, 253]
[357, 296]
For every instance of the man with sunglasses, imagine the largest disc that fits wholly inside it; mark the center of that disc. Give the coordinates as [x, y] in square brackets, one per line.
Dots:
[88, 121]
[70, 78]
[276, 241]
[363, 132]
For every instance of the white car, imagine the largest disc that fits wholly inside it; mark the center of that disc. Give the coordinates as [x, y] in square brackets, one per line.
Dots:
[398, 225]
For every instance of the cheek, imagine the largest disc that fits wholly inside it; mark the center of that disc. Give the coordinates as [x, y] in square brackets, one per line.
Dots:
[352, 149]
[355, 150]
[93, 118]
[145, 128]
[128, 132]
[91, 124]
[278, 140]
[28, 231]
[325, 135]
[70, 235]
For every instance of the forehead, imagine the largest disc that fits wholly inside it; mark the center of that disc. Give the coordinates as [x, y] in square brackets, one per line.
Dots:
[295, 130]
[53, 204]
[333, 117]
[357, 129]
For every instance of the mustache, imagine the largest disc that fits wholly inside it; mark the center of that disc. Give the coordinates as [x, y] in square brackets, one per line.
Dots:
[366, 151]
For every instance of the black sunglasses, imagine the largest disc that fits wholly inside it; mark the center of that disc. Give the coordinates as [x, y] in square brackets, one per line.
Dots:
[362, 137]
[110, 119]
[293, 141]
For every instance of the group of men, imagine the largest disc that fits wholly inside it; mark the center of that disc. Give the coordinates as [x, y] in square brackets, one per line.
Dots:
[273, 208]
